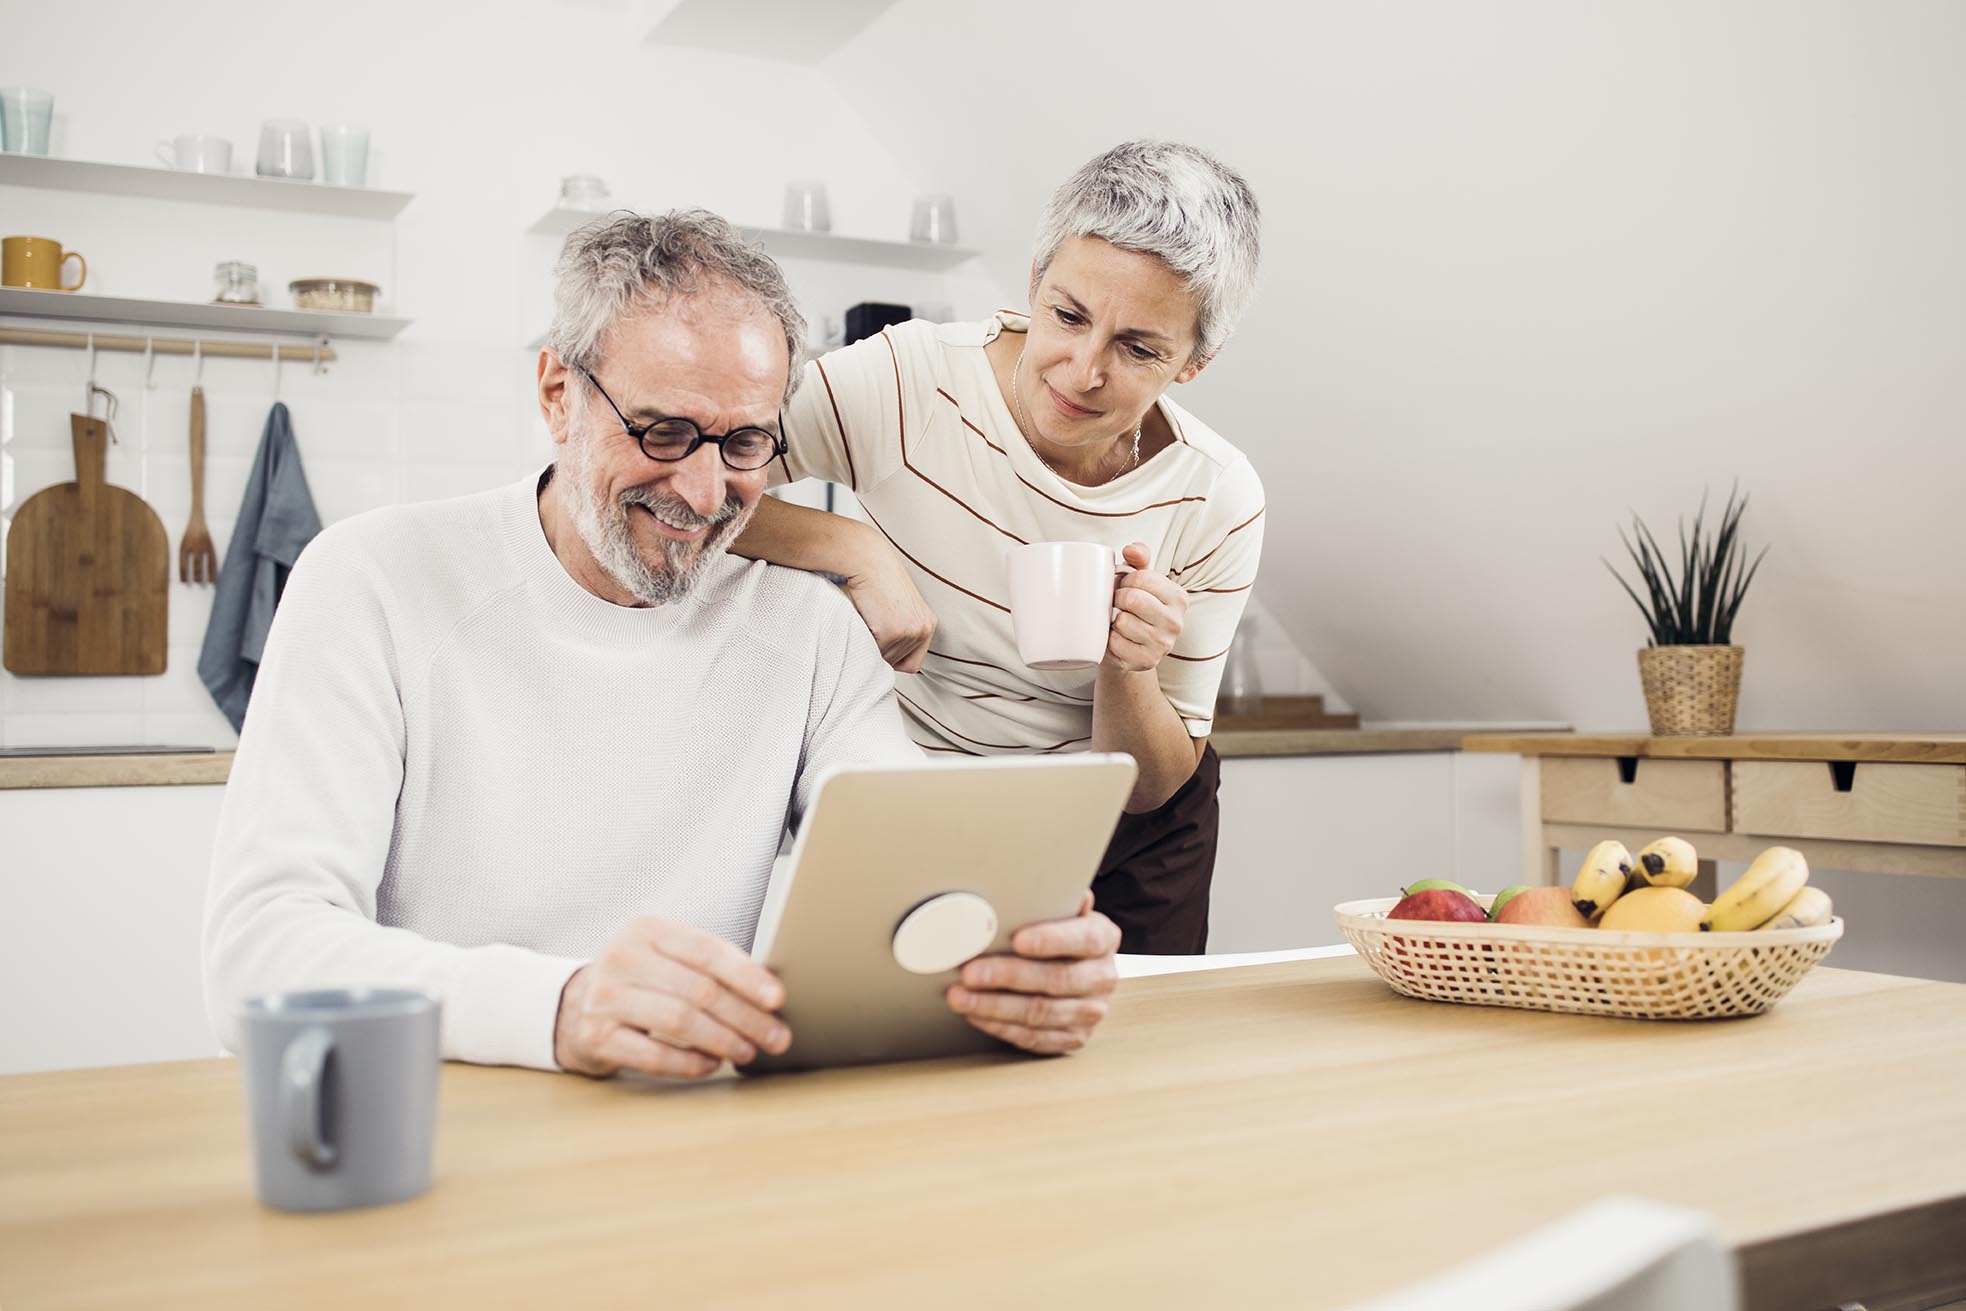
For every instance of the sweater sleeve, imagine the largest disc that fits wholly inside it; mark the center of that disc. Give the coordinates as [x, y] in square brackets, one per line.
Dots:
[306, 825]
[854, 717]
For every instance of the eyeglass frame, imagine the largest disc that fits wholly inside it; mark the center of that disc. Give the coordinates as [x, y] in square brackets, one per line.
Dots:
[779, 446]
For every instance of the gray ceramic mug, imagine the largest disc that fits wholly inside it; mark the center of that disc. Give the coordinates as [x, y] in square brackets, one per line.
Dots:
[341, 1088]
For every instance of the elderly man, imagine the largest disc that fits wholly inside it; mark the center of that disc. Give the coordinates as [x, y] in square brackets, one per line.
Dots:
[534, 750]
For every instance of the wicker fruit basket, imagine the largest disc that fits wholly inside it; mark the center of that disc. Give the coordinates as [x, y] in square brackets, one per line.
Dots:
[1646, 976]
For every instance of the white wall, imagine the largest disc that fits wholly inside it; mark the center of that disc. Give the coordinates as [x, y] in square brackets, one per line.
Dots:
[479, 109]
[1531, 264]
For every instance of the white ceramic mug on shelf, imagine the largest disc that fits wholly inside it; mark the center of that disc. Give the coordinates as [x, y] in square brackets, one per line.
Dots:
[1061, 601]
[195, 153]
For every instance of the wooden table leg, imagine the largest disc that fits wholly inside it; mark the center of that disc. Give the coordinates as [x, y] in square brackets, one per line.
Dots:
[1538, 856]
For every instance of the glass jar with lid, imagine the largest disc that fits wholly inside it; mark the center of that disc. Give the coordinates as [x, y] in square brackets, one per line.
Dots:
[238, 283]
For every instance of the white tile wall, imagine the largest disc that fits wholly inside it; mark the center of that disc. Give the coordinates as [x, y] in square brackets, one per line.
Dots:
[387, 423]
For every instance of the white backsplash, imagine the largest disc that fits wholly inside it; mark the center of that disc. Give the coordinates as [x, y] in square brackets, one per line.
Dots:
[387, 423]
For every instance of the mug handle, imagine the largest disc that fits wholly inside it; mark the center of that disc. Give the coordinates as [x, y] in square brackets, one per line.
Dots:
[303, 1079]
[77, 256]
[167, 152]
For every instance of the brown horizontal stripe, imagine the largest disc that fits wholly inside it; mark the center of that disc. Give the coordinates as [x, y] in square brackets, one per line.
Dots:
[930, 572]
[1062, 745]
[1219, 545]
[995, 696]
[1199, 660]
[995, 746]
[954, 751]
[1063, 505]
[1198, 591]
[965, 505]
[984, 664]
[979, 432]
[853, 482]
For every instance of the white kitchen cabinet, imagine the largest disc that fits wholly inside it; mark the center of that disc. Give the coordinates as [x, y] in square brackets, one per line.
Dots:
[101, 894]
[1302, 833]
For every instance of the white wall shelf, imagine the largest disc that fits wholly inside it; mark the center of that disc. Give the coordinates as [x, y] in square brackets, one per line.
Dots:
[27, 303]
[782, 243]
[200, 188]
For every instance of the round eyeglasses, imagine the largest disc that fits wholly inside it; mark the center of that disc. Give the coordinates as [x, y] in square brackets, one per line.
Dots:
[668, 440]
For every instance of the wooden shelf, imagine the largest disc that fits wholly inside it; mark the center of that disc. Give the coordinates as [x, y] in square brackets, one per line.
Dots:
[782, 243]
[27, 303]
[238, 190]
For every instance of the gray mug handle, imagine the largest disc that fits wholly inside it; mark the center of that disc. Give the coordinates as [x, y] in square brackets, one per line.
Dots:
[303, 1076]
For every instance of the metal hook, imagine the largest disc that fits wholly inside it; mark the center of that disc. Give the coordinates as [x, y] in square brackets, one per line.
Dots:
[197, 363]
[321, 358]
[149, 363]
[108, 410]
[89, 391]
[276, 371]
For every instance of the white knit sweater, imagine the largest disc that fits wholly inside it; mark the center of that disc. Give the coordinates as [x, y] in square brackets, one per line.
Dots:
[465, 773]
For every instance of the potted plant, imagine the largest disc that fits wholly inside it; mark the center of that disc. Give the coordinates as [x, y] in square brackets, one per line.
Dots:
[1690, 668]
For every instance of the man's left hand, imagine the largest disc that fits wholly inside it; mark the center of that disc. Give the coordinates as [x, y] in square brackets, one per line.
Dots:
[1052, 992]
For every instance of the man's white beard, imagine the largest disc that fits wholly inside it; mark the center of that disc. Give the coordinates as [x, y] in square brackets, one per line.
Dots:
[605, 530]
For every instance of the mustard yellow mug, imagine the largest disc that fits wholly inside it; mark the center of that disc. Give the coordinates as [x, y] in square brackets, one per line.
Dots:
[36, 262]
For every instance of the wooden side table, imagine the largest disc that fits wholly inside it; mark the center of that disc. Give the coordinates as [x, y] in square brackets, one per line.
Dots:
[1891, 803]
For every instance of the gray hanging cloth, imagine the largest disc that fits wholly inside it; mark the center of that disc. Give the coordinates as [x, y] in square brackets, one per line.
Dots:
[276, 520]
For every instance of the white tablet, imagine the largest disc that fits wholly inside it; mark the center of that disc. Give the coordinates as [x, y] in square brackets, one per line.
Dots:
[902, 873]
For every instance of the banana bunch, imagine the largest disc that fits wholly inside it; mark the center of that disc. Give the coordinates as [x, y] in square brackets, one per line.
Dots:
[1774, 893]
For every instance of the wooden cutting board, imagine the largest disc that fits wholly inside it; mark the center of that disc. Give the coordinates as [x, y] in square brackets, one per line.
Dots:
[88, 573]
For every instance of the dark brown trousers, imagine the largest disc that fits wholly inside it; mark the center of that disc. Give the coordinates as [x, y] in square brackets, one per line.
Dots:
[1153, 880]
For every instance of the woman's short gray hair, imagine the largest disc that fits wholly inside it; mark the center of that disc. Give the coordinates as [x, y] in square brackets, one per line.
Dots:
[1177, 203]
[610, 263]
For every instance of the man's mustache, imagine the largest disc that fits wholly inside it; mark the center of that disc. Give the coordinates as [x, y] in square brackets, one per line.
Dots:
[677, 512]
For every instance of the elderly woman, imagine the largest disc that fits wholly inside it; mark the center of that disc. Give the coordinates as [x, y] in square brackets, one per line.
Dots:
[962, 440]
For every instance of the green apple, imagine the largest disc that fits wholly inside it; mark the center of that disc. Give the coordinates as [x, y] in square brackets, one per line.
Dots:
[1502, 899]
[1435, 885]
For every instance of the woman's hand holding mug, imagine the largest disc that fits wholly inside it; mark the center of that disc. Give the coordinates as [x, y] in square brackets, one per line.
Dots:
[1149, 609]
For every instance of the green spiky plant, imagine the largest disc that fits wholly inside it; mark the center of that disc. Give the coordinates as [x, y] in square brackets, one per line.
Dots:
[1697, 608]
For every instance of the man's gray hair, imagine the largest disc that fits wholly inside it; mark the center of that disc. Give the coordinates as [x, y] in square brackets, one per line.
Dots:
[1175, 202]
[609, 264]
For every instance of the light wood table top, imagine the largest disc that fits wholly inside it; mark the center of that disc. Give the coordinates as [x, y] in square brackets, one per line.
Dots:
[1913, 748]
[1292, 1134]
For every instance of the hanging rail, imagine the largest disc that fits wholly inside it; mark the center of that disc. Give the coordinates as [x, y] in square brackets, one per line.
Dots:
[318, 353]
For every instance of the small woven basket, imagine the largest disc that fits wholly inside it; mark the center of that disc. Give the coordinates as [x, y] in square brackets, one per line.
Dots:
[1691, 691]
[1644, 976]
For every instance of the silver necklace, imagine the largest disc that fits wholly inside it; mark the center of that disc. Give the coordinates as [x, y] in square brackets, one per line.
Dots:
[1024, 425]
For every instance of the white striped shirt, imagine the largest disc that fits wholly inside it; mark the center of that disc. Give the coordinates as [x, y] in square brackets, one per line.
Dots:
[912, 420]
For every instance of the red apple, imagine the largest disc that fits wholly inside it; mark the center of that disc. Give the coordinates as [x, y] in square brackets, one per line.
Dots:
[1550, 906]
[1438, 904]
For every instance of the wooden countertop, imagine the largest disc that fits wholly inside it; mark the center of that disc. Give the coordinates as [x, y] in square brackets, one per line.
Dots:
[1920, 748]
[213, 767]
[1287, 1134]
[113, 771]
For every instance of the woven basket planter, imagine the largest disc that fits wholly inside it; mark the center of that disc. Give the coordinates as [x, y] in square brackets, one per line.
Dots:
[1691, 691]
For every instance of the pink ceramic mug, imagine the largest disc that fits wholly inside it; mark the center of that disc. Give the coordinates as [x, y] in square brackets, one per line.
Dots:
[1061, 601]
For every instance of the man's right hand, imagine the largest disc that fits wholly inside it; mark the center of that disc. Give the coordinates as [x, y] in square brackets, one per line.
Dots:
[893, 609]
[665, 998]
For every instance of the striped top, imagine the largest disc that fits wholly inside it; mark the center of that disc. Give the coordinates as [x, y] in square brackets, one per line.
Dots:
[914, 423]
